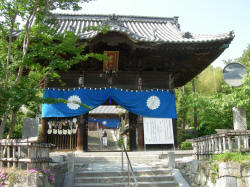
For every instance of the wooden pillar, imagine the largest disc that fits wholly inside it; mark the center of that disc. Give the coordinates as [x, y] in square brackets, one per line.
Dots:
[82, 133]
[44, 130]
[140, 120]
[85, 133]
[174, 121]
[140, 133]
[132, 131]
[171, 86]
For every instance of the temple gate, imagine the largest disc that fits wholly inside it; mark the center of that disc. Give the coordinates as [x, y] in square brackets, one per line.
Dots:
[147, 54]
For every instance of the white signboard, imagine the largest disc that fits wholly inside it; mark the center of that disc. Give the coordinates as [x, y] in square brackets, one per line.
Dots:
[158, 131]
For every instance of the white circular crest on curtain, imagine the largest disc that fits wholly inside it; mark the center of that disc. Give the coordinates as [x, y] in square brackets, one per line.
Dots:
[71, 102]
[104, 122]
[153, 102]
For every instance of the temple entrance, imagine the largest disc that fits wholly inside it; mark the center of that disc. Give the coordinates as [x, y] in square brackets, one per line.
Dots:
[105, 123]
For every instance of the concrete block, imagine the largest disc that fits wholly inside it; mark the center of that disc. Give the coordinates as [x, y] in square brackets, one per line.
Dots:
[246, 172]
[59, 158]
[241, 182]
[226, 182]
[229, 169]
[195, 166]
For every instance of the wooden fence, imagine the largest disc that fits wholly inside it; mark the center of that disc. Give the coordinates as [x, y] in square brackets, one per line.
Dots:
[224, 140]
[24, 154]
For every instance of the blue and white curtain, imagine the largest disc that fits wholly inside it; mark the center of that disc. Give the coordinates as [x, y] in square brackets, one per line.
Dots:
[156, 104]
[111, 123]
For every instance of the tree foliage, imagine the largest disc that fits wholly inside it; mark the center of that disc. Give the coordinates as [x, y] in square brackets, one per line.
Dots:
[30, 51]
[214, 101]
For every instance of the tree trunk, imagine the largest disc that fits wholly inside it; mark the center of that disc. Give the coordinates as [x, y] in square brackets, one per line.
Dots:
[3, 124]
[12, 124]
[195, 112]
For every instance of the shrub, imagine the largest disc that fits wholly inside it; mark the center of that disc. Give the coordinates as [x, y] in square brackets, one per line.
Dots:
[2, 177]
[120, 142]
[186, 146]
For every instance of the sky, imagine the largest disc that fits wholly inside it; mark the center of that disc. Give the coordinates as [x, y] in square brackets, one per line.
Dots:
[195, 16]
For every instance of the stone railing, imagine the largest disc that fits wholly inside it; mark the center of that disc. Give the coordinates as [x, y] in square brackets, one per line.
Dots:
[24, 153]
[224, 140]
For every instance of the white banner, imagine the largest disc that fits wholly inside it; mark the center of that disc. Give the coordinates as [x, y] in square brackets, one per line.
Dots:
[158, 131]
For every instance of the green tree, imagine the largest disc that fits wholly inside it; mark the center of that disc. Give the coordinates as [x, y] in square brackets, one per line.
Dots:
[38, 52]
[209, 81]
[245, 58]
[213, 100]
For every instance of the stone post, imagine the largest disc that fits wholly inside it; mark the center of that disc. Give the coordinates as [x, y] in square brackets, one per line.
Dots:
[213, 145]
[239, 117]
[224, 143]
[230, 147]
[246, 143]
[238, 142]
[171, 160]
[216, 145]
[220, 147]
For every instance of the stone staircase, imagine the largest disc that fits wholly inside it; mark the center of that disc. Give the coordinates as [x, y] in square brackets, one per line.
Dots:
[120, 178]
[104, 169]
[95, 144]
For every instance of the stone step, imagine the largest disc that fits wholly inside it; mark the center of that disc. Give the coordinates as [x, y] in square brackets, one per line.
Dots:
[125, 184]
[117, 179]
[116, 160]
[159, 154]
[123, 173]
[152, 177]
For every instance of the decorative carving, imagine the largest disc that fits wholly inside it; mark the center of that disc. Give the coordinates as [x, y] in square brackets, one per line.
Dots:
[187, 35]
[113, 20]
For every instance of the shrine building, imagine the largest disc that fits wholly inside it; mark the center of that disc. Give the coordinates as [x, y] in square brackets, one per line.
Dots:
[149, 58]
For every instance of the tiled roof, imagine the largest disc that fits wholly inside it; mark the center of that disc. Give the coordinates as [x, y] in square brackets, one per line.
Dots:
[107, 109]
[138, 28]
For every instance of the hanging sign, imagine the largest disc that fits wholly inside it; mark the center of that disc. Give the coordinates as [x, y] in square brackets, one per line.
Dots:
[158, 130]
[112, 63]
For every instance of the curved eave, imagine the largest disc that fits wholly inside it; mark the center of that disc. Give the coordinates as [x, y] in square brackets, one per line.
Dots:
[136, 39]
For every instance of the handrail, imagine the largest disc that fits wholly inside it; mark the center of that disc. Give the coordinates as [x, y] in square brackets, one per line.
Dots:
[129, 166]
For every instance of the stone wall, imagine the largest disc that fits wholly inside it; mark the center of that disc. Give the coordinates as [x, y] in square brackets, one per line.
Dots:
[224, 174]
[59, 167]
[31, 180]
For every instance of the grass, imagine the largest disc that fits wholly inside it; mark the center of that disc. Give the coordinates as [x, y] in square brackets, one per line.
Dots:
[233, 157]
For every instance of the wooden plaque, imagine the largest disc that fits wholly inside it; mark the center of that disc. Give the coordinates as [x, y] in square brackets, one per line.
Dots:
[112, 63]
